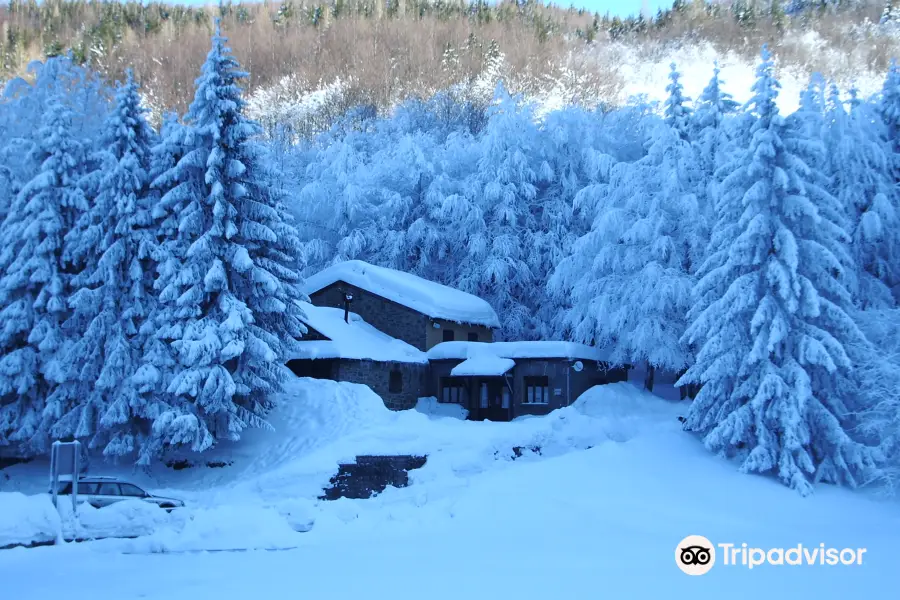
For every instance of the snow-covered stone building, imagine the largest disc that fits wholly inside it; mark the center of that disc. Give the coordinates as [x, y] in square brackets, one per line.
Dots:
[407, 338]
[422, 313]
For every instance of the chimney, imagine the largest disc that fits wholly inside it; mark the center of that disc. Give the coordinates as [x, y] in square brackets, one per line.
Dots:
[348, 298]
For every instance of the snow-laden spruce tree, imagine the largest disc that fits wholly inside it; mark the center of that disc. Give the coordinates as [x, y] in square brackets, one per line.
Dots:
[9, 184]
[112, 293]
[712, 142]
[714, 103]
[630, 278]
[178, 424]
[862, 182]
[35, 283]
[678, 114]
[231, 308]
[772, 344]
[23, 105]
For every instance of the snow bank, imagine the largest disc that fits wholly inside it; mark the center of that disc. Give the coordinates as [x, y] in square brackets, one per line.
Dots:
[27, 519]
[268, 495]
[341, 421]
[229, 527]
[33, 519]
[429, 298]
[435, 409]
[355, 339]
[128, 518]
[134, 526]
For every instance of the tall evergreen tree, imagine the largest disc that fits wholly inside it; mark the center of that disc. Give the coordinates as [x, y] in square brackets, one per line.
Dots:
[34, 284]
[861, 180]
[712, 145]
[713, 107]
[178, 424]
[773, 342]
[112, 294]
[677, 113]
[232, 307]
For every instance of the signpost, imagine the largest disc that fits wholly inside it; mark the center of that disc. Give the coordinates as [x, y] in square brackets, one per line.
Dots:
[64, 467]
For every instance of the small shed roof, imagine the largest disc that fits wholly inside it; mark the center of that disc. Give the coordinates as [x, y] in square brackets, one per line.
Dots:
[485, 365]
[427, 297]
[354, 340]
[517, 350]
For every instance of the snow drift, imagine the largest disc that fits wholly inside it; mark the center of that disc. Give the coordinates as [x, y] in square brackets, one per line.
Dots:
[268, 493]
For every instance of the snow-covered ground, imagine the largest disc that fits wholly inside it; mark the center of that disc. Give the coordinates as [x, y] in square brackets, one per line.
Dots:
[597, 514]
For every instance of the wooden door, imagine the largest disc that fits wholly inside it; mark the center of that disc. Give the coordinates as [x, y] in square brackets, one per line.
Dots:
[494, 399]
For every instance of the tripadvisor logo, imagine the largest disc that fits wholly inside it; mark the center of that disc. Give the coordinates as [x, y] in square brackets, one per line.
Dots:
[696, 555]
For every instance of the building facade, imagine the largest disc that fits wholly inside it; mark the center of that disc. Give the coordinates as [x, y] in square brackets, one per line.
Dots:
[407, 338]
[541, 377]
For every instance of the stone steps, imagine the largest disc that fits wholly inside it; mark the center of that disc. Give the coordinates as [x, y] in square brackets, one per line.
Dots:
[371, 475]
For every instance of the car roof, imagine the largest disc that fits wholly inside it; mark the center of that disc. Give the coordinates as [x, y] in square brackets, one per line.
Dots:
[102, 478]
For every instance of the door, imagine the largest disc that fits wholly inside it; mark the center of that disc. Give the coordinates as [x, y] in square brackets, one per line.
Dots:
[494, 399]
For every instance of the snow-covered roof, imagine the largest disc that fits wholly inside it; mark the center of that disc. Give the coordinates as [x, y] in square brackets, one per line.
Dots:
[516, 350]
[354, 340]
[427, 297]
[485, 365]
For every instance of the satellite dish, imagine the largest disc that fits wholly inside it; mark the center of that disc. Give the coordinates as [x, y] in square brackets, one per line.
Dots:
[578, 366]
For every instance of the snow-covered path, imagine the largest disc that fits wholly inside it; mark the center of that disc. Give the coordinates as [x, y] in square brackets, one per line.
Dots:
[578, 522]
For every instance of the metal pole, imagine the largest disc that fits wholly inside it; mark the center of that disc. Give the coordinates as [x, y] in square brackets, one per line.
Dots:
[54, 470]
[76, 457]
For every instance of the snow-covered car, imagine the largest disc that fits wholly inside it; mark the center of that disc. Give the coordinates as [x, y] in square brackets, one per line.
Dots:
[103, 491]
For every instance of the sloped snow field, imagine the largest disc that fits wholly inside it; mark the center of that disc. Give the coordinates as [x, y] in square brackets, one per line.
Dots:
[596, 514]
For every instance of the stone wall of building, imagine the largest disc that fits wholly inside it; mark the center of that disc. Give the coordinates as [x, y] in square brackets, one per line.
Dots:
[385, 315]
[461, 332]
[377, 375]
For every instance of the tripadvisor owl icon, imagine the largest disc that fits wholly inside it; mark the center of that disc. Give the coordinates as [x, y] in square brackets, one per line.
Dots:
[695, 555]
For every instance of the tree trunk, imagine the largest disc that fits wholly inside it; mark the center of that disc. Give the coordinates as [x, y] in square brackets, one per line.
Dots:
[648, 381]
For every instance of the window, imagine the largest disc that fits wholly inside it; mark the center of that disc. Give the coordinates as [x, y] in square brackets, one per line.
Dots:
[108, 489]
[473, 336]
[449, 335]
[484, 396]
[87, 488]
[65, 488]
[453, 391]
[505, 396]
[131, 490]
[537, 390]
[395, 382]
